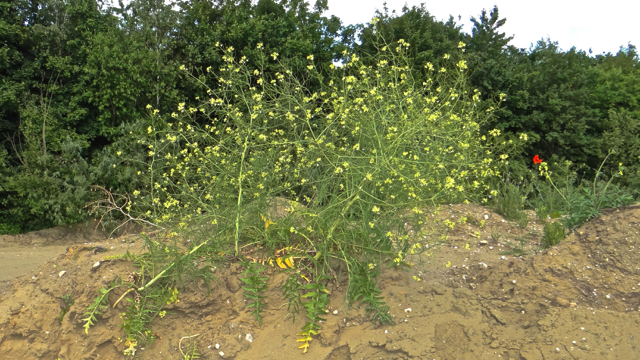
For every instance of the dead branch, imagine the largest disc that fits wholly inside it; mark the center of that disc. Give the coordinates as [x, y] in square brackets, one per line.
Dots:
[116, 203]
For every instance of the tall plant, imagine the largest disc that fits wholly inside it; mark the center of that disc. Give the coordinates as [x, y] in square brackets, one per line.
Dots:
[372, 145]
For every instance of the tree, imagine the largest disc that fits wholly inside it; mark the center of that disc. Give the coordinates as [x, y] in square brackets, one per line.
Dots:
[430, 39]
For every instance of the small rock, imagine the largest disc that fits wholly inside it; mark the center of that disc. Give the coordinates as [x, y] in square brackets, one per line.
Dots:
[15, 308]
[563, 302]
[61, 273]
[483, 242]
[335, 312]
[232, 284]
[495, 344]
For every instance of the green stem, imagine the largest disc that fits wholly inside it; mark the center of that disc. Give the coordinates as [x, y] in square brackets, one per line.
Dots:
[172, 264]
[597, 203]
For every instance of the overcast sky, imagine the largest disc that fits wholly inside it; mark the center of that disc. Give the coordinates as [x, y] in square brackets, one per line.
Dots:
[603, 26]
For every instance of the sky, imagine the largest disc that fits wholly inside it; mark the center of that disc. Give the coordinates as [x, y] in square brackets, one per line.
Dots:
[602, 26]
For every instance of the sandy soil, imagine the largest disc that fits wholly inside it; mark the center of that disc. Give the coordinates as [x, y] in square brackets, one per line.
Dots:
[578, 300]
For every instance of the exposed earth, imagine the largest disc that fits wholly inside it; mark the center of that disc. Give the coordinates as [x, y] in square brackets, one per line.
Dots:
[577, 300]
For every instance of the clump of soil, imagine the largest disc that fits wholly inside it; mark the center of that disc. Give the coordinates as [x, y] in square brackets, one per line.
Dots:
[471, 299]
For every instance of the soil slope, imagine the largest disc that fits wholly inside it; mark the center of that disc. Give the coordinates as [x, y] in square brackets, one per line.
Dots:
[578, 300]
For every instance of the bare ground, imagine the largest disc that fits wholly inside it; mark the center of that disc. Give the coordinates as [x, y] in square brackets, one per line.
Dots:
[578, 300]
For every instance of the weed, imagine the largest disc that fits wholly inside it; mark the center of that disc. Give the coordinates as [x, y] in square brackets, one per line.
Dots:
[523, 222]
[583, 201]
[553, 233]
[509, 202]
[363, 289]
[255, 288]
[191, 351]
[99, 305]
[516, 249]
[315, 307]
[291, 293]
[67, 302]
[495, 235]
[357, 153]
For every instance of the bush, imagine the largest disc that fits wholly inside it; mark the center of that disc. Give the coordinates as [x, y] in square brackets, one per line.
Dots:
[48, 189]
[356, 163]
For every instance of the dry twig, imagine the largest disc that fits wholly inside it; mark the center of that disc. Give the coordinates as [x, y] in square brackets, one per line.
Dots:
[110, 203]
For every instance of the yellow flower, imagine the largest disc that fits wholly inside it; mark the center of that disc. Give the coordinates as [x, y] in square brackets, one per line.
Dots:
[274, 55]
[182, 67]
[310, 57]
[375, 209]
[461, 45]
[259, 46]
[446, 56]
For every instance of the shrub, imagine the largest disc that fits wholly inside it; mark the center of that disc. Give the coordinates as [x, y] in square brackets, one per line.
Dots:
[357, 162]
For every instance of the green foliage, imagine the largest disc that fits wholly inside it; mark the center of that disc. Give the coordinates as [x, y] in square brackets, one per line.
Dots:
[8, 227]
[409, 121]
[51, 188]
[339, 163]
[491, 67]
[99, 305]
[363, 290]
[509, 202]
[315, 307]
[580, 200]
[255, 288]
[291, 293]
[141, 310]
[191, 349]
[590, 114]
[67, 302]
[553, 233]
[516, 249]
[430, 39]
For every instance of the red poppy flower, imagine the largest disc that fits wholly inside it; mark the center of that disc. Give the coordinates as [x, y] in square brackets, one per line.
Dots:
[537, 160]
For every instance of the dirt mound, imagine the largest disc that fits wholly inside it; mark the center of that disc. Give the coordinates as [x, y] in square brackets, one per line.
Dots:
[469, 300]
[22, 254]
